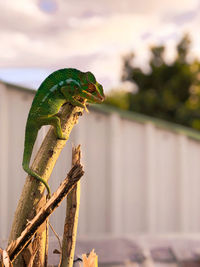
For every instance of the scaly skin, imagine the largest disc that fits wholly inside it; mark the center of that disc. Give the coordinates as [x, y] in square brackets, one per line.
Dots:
[62, 86]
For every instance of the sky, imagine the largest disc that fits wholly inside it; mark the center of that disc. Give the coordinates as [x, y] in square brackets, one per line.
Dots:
[41, 36]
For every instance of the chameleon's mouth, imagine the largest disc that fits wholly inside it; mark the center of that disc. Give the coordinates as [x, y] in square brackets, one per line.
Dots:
[98, 98]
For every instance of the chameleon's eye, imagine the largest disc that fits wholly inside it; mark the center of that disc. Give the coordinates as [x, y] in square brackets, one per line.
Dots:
[91, 88]
[90, 77]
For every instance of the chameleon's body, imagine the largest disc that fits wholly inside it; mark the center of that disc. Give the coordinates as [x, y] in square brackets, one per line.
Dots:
[60, 87]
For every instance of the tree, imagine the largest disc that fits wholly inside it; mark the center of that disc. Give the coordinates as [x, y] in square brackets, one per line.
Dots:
[168, 91]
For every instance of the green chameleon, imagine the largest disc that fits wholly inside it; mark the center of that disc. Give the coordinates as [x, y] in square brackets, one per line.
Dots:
[62, 86]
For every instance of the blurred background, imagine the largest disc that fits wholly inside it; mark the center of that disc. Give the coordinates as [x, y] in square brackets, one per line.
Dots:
[127, 44]
[141, 148]
[41, 36]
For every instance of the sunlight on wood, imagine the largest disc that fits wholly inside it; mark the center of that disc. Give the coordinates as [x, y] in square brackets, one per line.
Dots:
[91, 260]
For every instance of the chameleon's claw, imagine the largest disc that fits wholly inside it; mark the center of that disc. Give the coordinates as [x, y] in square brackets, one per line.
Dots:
[63, 137]
[86, 109]
[84, 105]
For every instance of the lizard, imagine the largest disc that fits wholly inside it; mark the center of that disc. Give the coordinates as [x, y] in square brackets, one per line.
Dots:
[63, 86]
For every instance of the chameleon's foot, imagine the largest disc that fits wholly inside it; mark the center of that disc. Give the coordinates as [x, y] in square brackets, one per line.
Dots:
[84, 105]
[86, 109]
[63, 137]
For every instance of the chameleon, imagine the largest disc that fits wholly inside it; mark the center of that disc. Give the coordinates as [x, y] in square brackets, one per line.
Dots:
[63, 86]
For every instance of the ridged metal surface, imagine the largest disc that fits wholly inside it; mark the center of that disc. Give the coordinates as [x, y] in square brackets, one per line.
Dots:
[139, 178]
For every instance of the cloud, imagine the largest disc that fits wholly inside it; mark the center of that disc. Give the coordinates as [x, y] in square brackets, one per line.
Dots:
[21, 15]
[91, 34]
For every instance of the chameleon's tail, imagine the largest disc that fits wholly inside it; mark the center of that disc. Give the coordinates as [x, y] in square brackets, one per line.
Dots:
[30, 137]
[35, 175]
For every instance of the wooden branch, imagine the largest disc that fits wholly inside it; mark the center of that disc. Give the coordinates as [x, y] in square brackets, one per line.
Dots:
[29, 203]
[4, 259]
[71, 219]
[18, 245]
[39, 246]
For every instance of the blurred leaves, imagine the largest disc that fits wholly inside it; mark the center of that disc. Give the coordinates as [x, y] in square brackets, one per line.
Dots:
[118, 98]
[168, 91]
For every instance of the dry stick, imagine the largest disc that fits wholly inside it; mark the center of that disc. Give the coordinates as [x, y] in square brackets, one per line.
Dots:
[43, 164]
[58, 238]
[67, 185]
[4, 259]
[71, 219]
[40, 244]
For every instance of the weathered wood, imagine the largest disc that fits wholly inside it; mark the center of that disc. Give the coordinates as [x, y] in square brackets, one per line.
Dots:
[17, 246]
[71, 219]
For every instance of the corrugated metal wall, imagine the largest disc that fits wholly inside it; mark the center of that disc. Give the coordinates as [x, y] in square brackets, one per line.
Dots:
[140, 177]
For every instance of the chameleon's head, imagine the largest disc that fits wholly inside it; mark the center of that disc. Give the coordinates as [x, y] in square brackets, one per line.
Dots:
[91, 89]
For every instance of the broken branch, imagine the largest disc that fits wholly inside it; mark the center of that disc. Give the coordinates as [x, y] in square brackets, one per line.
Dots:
[67, 185]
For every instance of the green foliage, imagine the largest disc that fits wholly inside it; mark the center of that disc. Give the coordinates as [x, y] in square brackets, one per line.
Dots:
[168, 91]
[118, 98]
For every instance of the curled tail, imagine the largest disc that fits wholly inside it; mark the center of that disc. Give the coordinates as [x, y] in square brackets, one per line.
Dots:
[30, 137]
